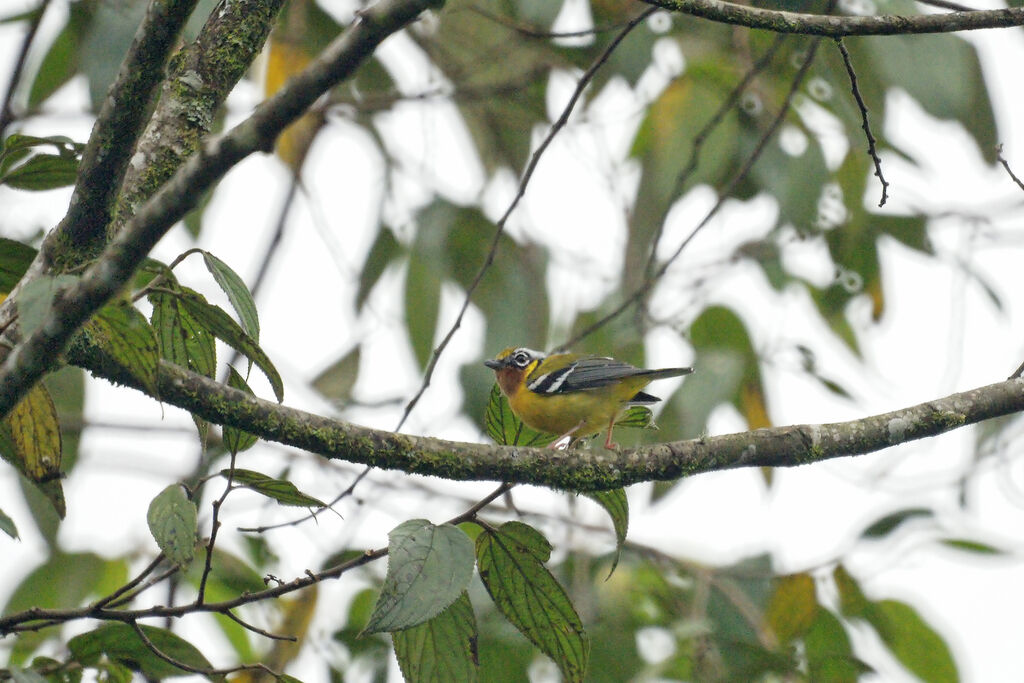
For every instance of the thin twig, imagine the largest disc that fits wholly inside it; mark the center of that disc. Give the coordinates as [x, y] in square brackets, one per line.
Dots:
[946, 4]
[723, 196]
[557, 126]
[702, 136]
[6, 111]
[99, 604]
[872, 151]
[1006, 164]
[188, 667]
[214, 528]
[255, 629]
[531, 31]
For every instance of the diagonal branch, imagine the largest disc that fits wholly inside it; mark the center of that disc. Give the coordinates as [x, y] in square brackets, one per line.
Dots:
[837, 27]
[579, 470]
[36, 354]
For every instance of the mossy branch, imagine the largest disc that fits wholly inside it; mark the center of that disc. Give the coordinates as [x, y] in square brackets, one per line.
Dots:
[839, 26]
[581, 470]
[38, 353]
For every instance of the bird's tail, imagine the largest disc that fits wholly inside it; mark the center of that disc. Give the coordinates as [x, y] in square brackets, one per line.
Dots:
[665, 372]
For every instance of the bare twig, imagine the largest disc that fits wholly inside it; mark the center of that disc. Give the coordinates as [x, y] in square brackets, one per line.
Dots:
[312, 515]
[740, 174]
[255, 629]
[152, 647]
[872, 151]
[557, 126]
[1006, 165]
[531, 31]
[214, 528]
[6, 109]
[131, 584]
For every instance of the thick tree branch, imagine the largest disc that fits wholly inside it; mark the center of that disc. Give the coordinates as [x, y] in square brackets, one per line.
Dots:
[837, 27]
[580, 470]
[38, 353]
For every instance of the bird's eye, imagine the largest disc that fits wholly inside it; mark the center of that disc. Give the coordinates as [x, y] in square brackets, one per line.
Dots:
[521, 358]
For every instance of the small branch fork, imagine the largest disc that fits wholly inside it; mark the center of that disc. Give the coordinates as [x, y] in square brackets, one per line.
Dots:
[872, 151]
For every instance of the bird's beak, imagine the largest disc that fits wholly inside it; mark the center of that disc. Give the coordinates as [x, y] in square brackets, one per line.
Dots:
[494, 364]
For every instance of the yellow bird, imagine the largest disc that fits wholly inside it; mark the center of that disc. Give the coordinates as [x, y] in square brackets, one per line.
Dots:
[570, 394]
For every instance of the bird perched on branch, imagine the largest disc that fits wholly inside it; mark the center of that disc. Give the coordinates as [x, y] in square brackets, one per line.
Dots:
[570, 394]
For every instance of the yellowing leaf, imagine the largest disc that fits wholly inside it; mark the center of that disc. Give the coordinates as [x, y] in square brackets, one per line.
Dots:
[284, 60]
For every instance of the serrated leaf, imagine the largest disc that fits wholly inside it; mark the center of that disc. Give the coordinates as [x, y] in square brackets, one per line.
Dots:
[616, 505]
[237, 292]
[35, 433]
[511, 565]
[637, 417]
[235, 439]
[222, 326]
[442, 649]
[172, 522]
[281, 490]
[886, 525]
[506, 429]
[428, 568]
[914, 643]
[36, 300]
[792, 608]
[42, 172]
[15, 258]
[180, 338]
[122, 644]
[124, 333]
[7, 525]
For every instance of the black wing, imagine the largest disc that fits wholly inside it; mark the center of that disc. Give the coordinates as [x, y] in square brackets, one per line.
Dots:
[589, 372]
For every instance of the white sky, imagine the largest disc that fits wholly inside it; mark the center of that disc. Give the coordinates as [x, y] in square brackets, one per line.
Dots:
[940, 334]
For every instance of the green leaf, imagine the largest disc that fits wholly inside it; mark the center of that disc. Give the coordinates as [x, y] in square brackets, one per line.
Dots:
[15, 258]
[422, 303]
[971, 546]
[42, 172]
[637, 417]
[914, 643]
[506, 429]
[61, 60]
[336, 382]
[172, 521]
[616, 505]
[235, 439]
[238, 294]
[180, 338]
[36, 300]
[7, 525]
[886, 525]
[221, 325]
[442, 649]
[124, 333]
[792, 608]
[122, 644]
[384, 251]
[428, 568]
[30, 440]
[281, 490]
[511, 564]
[852, 601]
[830, 656]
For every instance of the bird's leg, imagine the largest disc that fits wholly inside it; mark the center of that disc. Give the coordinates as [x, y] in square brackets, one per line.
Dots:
[608, 443]
[567, 435]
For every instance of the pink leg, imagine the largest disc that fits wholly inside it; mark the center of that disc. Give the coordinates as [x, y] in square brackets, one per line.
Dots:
[608, 443]
[554, 444]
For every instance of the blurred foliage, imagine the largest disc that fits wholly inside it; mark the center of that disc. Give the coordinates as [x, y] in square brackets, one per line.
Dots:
[493, 62]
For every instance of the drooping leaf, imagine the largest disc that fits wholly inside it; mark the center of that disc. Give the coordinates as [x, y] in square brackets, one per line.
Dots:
[384, 251]
[42, 172]
[235, 439]
[30, 440]
[7, 525]
[616, 504]
[124, 333]
[829, 653]
[36, 300]
[180, 337]
[511, 565]
[913, 641]
[61, 61]
[281, 490]
[172, 522]
[337, 380]
[222, 326]
[428, 568]
[441, 649]
[238, 294]
[121, 643]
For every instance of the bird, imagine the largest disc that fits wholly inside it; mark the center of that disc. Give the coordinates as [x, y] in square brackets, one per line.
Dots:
[573, 395]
